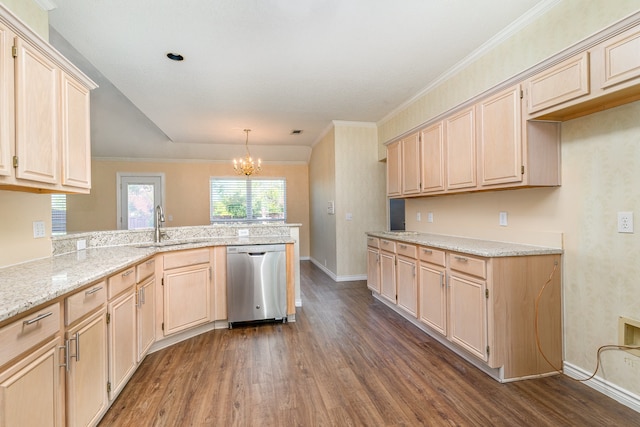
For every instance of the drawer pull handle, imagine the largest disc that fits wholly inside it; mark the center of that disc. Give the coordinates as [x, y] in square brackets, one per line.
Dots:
[151, 261]
[427, 251]
[384, 242]
[126, 273]
[461, 258]
[93, 291]
[65, 347]
[76, 338]
[442, 279]
[37, 319]
[403, 246]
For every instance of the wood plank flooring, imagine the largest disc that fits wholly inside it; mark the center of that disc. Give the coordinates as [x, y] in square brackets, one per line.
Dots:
[348, 360]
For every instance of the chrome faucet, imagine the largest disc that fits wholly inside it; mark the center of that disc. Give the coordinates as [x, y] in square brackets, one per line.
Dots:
[159, 219]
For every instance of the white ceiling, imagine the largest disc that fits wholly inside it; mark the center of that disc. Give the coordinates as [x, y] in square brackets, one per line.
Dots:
[268, 65]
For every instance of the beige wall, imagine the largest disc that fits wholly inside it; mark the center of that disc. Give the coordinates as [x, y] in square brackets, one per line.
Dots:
[360, 191]
[186, 194]
[600, 176]
[322, 188]
[19, 210]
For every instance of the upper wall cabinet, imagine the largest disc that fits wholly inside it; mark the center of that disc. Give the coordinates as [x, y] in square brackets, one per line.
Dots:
[44, 115]
[604, 76]
[432, 152]
[394, 169]
[411, 164]
[460, 142]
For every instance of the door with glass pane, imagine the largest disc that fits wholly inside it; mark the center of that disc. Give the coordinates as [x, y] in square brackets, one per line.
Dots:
[139, 195]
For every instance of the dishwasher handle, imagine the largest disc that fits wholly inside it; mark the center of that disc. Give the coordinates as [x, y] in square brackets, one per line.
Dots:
[256, 254]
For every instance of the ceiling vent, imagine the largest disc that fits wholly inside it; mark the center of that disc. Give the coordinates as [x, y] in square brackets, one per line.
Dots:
[296, 131]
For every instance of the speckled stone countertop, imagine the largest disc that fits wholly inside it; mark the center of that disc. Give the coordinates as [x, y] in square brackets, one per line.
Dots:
[483, 248]
[34, 283]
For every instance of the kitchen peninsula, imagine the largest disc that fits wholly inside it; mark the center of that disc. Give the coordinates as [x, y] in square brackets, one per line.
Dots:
[98, 311]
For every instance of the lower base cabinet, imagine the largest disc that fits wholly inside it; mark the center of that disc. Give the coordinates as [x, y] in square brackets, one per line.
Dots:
[31, 390]
[468, 315]
[433, 297]
[87, 371]
[123, 353]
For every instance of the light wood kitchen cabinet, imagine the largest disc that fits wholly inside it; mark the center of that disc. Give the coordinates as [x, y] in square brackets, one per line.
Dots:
[468, 304]
[87, 377]
[146, 306]
[411, 164]
[432, 154]
[31, 380]
[122, 338]
[559, 84]
[500, 138]
[388, 270]
[44, 115]
[407, 278]
[146, 315]
[31, 389]
[620, 64]
[75, 134]
[394, 169]
[433, 290]
[373, 264]
[461, 150]
[187, 290]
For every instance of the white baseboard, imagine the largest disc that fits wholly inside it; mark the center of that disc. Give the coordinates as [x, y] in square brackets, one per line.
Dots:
[615, 392]
[335, 277]
[304, 258]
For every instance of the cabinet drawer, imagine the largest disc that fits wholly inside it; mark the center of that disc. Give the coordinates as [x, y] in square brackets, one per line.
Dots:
[406, 250]
[469, 265]
[388, 245]
[373, 242]
[25, 333]
[185, 258]
[145, 269]
[433, 256]
[121, 281]
[85, 301]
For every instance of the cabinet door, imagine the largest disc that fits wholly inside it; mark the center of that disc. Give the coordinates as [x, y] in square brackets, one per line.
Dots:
[31, 391]
[388, 276]
[468, 315]
[373, 269]
[394, 169]
[621, 59]
[146, 316]
[186, 298]
[461, 150]
[36, 103]
[123, 354]
[411, 164]
[500, 138]
[559, 84]
[432, 154]
[433, 297]
[87, 373]
[76, 134]
[407, 284]
[7, 123]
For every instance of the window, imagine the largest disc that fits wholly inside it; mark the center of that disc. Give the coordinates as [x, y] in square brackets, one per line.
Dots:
[240, 199]
[58, 214]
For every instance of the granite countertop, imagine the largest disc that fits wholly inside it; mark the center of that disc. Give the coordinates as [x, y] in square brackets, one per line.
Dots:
[31, 284]
[483, 248]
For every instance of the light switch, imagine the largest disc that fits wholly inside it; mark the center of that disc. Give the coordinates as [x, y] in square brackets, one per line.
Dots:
[503, 219]
[349, 216]
[429, 216]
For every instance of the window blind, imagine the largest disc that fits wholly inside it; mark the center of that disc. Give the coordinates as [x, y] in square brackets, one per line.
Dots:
[242, 199]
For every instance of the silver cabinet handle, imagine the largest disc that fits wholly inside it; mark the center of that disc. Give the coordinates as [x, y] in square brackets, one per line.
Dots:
[442, 279]
[151, 261]
[144, 298]
[427, 251]
[65, 347]
[461, 258]
[37, 318]
[414, 270]
[76, 338]
[93, 291]
[403, 246]
[126, 273]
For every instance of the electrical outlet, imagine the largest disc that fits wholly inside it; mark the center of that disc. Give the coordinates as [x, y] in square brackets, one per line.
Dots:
[81, 244]
[503, 219]
[243, 232]
[349, 216]
[38, 229]
[429, 216]
[625, 222]
[418, 217]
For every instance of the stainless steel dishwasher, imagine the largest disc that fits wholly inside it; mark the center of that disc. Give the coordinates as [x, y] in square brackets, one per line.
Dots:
[256, 283]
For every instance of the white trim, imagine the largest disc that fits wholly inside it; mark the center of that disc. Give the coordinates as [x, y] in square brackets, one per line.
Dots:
[47, 5]
[152, 160]
[351, 278]
[305, 258]
[517, 25]
[605, 387]
[119, 176]
[334, 277]
[323, 268]
[354, 124]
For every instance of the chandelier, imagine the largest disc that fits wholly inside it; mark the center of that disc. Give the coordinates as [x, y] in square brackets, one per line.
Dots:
[246, 166]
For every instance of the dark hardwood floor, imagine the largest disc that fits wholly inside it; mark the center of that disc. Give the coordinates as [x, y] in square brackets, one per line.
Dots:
[347, 360]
